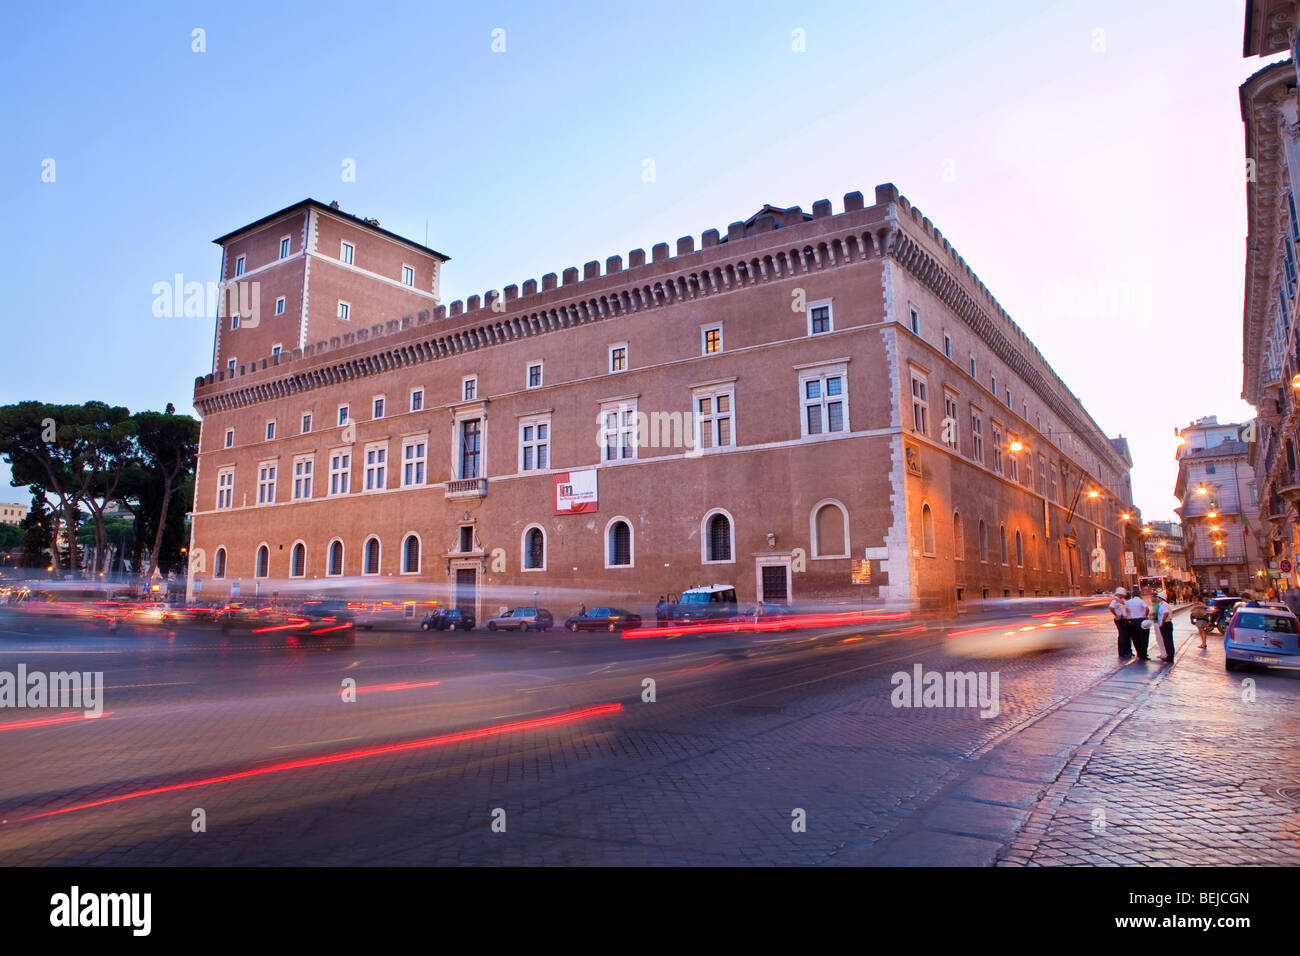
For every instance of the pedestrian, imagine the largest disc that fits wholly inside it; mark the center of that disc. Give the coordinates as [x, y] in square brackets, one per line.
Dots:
[1291, 598]
[1120, 614]
[1200, 620]
[1163, 624]
[582, 610]
[1136, 613]
[661, 610]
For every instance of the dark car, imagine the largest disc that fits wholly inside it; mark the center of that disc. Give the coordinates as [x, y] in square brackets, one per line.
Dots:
[523, 619]
[1218, 612]
[603, 619]
[240, 616]
[327, 610]
[445, 619]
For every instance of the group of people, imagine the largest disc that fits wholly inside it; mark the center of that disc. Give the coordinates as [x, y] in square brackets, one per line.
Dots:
[1137, 616]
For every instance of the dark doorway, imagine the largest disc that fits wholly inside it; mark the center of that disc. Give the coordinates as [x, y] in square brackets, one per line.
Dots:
[774, 583]
[466, 585]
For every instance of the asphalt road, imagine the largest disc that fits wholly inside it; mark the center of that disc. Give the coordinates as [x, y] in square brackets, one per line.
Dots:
[502, 748]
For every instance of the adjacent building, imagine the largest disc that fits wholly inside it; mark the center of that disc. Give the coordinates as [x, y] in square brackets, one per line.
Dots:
[1271, 344]
[1166, 554]
[1217, 491]
[811, 406]
[12, 513]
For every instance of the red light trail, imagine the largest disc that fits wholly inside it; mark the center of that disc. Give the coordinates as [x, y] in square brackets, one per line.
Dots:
[461, 736]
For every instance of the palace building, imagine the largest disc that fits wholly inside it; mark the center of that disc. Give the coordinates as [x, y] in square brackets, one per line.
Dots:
[813, 407]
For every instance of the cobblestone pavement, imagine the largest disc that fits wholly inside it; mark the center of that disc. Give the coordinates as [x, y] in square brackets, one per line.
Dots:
[747, 738]
[1198, 767]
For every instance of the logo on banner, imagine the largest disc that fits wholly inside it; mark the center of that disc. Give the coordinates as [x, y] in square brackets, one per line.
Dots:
[575, 492]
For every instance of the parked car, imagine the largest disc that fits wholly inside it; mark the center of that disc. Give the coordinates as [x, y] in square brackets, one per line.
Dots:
[1262, 635]
[1218, 612]
[444, 619]
[709, 602]
[762, 613]
[523, 619]
[603, 619]
[328, 609]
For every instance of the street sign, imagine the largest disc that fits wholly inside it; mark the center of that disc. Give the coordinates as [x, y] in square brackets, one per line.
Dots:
[861, 572]
[1130, 567]
[234, 589]
[1285, 566]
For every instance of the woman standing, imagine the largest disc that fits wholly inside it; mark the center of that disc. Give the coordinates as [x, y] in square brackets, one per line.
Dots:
[1200, 620]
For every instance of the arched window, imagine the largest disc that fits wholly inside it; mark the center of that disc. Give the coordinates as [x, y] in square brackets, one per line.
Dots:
[927, 530]
[411, 555]
[958, 538]
[298, 560]
[619, 549]
[219, 564]
[335, 567]
[984, 541]
[263, 561]
[830, 530]
[534, 549]
[370, 564]
[717, 538]
[1020, 551]
[1002, 539]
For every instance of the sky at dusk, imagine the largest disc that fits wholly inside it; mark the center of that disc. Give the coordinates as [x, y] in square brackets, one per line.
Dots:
[1086, 159]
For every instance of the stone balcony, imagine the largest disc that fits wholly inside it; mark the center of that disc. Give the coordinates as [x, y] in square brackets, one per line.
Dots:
[467, 488]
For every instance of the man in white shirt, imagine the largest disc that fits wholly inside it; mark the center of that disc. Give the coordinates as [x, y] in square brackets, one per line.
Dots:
[1117, 610]
[1137, 609]
[1164, 625]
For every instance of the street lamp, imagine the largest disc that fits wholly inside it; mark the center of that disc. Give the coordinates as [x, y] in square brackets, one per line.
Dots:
[1016, 445]
[1202, 490]
[1093, 493]
[1125, 516]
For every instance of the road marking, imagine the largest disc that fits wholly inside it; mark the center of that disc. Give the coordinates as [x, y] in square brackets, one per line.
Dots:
[315, 743]
[171, 683]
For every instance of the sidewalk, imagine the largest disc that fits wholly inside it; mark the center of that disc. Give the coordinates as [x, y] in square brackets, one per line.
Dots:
[1198, 767]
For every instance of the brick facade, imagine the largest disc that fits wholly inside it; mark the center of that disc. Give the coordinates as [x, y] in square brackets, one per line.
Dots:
[825, 463]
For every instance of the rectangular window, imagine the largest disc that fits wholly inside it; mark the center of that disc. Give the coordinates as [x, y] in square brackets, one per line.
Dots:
[230, 366]
[995, 433]
[347, 252]
[1013, 467]
[376, 467]
[1008, 401]
[972, 367]
[234, 322]
[306, 423]
[284, 248]
[275, 351]
[1052, 484]
[230, 437]
[823, 398]
[226, 488]
[377, 407]
[947, 345]
[993, 385]
[343, 415]
[920, 405]
[270, 430]
[414, 457]
[1042, 472]
[408, 276]
[977, 435]
[916, 322]
[714, 418]
[618, 357]
[619, 432]
[239, 265]
[819, 318]
[469, 387]
[340, 471]
[266, 483]
[302, 467]
[279, 306]
[534, 444]
[949, 435]
[470, 449]
[534, 377]
[345, 310]
[417, 399]
[1029, 468]
[711, 340]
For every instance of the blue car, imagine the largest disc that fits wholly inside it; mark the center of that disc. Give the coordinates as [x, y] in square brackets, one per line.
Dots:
[1262, 635]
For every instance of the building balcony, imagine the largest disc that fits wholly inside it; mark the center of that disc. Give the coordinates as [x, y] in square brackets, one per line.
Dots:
[1288, 484]
[1217, 556]
[467, 488]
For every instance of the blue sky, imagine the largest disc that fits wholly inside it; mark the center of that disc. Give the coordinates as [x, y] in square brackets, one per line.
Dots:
[1094, 145]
